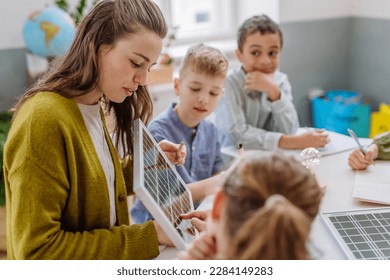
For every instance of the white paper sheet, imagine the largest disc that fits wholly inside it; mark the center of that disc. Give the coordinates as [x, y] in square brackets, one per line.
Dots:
[373, 184]
[338, 143]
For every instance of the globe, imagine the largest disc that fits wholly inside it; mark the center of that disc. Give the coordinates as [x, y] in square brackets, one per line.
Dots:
[49, 32]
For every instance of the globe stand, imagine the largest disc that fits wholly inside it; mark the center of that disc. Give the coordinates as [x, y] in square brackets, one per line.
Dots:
[36, 66]
[310, 158]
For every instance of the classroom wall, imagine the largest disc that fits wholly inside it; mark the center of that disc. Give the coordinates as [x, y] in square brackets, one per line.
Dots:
[369, 69]
[315, 55]
[309, 10]
[13, 76]
[12, 54]
[329, 44]
[336, 44]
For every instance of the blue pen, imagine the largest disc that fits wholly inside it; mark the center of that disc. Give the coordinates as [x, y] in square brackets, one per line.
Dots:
[354, 136]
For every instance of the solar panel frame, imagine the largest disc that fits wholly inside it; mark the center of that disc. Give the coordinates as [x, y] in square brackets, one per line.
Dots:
[176, 230]
[360, 234]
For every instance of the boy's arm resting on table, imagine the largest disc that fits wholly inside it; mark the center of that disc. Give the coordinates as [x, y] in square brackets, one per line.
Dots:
[283, 110]
[285, 117]
[316, 139]
[231, 118]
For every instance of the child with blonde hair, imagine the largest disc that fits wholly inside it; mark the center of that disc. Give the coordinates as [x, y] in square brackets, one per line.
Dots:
[264, 211]
[199, 88]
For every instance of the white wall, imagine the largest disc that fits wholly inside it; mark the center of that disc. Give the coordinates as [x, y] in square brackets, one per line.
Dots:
[371, 8]
[248, 8]
[14, 13]
[12, 17]
[304, 10]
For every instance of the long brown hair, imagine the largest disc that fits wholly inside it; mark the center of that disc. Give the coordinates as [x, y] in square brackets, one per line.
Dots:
[78, 71]
[270, 204]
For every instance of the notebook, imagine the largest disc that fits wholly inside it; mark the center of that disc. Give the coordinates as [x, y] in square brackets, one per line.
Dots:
[373, 184]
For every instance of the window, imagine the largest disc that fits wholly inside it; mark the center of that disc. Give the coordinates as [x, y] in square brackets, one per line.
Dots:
[214, 22]
[199, 19]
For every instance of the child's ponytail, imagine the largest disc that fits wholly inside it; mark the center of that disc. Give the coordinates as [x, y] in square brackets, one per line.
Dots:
[270, 204]
[277, 231]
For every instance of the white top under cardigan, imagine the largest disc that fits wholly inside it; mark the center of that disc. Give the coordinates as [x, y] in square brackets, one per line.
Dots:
[94, 123]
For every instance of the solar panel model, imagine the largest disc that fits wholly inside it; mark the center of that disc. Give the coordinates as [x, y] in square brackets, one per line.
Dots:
[361, 234]
[160, 188]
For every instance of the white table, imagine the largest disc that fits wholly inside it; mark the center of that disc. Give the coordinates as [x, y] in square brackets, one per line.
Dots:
[338, 177]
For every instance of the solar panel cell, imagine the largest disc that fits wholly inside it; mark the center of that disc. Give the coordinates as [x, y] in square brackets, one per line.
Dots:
[161, 188]
[360, 234]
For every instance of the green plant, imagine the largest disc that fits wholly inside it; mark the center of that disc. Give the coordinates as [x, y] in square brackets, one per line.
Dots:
[5, 123]
[78, 12]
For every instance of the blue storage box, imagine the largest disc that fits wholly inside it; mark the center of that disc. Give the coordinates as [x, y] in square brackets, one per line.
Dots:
[339, 110]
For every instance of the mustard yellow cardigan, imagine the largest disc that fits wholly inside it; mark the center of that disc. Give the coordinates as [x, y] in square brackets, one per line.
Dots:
[56, 192]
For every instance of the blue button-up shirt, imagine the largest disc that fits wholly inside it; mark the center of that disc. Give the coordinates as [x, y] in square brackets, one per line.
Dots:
[203, 151]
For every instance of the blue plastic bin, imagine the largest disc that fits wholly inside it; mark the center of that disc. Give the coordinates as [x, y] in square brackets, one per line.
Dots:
[338, 110]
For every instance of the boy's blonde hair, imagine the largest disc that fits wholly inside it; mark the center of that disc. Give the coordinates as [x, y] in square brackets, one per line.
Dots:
[270, 204]
[206, 60]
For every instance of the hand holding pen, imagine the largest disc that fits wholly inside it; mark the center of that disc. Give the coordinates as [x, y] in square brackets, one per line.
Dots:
[362, 157]
[180, 152]
[354, 137]
[176, 153]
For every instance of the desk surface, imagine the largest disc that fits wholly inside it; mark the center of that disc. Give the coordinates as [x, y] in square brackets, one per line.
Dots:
[338, 177]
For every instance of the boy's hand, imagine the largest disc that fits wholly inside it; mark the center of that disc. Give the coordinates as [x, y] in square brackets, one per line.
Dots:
[317, 138]
[263, 82]
[176, 153]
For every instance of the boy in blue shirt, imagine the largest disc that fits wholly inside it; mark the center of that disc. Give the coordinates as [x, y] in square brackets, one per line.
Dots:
[199, 88]
[257, 110]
